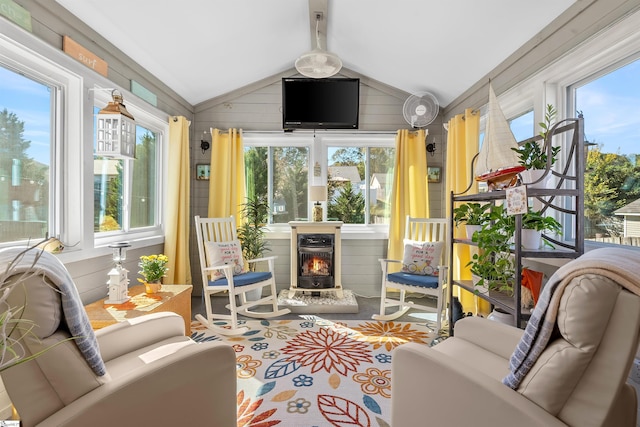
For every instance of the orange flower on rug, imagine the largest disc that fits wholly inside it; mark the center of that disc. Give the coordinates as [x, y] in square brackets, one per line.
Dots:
[316, 372]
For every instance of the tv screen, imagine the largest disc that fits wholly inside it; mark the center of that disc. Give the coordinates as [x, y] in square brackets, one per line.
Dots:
[331, 103]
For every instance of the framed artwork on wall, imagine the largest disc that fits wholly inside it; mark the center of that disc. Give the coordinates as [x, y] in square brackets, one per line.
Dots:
[202, 172]
[433, 173]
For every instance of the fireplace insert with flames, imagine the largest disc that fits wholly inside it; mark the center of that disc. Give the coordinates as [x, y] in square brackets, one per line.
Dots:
[315, 261]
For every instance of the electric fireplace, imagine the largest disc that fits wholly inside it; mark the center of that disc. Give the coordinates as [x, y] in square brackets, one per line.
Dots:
[315, 257]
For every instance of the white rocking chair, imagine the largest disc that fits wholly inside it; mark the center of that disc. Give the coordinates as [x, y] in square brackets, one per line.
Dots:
[224, 271]
[416, 276]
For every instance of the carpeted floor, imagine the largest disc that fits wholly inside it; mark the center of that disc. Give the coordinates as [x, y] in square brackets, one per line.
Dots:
[313, 371]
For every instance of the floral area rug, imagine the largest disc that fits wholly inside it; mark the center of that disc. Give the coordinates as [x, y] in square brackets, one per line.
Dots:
[316, 372]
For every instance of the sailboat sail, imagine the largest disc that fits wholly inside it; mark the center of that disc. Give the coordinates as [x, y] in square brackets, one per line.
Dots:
[496, 160]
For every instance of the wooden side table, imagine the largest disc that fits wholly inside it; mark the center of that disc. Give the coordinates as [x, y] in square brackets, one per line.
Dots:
[175, 298]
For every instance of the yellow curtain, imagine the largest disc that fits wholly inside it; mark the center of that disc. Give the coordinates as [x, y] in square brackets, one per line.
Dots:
[176, 241]
[462, 146]
[409, 193]
[227, 190]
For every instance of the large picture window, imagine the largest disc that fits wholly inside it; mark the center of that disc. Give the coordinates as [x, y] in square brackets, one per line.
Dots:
[611, 106]
[26, 117]
[358, 172]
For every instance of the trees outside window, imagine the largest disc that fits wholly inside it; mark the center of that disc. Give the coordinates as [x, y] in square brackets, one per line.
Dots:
[25, 157]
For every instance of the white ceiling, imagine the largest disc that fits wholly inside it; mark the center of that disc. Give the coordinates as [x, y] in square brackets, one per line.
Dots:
[206, 48]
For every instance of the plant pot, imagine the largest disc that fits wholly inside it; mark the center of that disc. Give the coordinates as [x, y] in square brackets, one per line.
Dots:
[482, 289]
[501, 316]
[470, 229]
[531, 175]
[254, 294]
[152, 288]
[531, 239]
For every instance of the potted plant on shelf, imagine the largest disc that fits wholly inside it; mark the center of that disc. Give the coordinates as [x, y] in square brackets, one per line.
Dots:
[472, 215]
[533, 224]
[535, 157]
[493, 265]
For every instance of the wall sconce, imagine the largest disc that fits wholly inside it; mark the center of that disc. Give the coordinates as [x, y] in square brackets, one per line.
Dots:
[204, 142]
[116, 130]
[431, 147]
[318, 193]
[118, 282]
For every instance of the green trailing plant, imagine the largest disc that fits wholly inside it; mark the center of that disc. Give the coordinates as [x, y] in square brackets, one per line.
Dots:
[533, 155]
[493, 263]
[471, 214]
[535, 220]
[255, 214]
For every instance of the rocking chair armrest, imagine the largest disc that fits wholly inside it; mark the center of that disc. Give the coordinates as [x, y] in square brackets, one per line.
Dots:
[266, 258]
[388, 261]
[225, 267]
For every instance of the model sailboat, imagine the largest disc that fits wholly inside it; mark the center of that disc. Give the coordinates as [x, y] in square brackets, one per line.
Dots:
[497, 163]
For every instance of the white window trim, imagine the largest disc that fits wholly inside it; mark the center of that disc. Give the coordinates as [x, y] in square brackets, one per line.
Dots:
[318, 143]
[610, 47]
[72, 161]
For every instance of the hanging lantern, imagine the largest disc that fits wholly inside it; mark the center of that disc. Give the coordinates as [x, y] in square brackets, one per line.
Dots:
[116, 130]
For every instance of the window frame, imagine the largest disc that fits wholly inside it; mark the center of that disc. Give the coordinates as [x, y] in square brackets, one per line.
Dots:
[318, 143]
[154, 123]
[607, 50]
[71, 169]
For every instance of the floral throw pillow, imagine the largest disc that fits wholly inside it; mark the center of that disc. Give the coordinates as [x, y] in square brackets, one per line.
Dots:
[220, 253]
[421, 257]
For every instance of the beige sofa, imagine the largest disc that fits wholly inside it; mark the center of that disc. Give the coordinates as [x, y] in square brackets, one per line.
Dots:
[578, 379]
[154, 374]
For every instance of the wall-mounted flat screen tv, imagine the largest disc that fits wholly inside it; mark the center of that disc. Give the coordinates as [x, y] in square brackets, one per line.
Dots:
[330, 103]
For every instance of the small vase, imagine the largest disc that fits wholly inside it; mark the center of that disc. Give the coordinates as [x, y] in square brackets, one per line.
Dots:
[152, 288]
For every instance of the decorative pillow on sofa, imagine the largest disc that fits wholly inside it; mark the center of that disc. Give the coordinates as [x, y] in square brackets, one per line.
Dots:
[220, 253]
[421, 257]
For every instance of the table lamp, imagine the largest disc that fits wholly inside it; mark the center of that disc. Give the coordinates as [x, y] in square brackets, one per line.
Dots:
[318, 193]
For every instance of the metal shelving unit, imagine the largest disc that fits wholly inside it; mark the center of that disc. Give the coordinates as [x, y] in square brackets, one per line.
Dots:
[564, 201]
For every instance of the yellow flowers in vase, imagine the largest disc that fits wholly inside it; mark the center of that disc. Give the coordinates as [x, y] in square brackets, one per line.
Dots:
[153, 268]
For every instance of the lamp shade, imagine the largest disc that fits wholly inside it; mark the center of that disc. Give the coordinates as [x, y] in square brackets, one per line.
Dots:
[318, 193]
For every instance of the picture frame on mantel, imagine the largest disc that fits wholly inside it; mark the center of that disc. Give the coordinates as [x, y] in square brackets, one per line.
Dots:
[202, 172]
[433, 173]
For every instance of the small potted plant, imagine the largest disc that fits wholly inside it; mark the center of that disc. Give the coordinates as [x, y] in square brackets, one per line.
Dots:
[472, 215]
[535, 157]
[533, 224]
[153, 268]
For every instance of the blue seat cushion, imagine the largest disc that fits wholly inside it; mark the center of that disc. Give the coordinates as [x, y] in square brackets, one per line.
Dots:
[244, 279]
[413, 279]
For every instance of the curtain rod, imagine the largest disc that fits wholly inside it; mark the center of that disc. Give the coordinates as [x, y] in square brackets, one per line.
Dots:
[369, 132]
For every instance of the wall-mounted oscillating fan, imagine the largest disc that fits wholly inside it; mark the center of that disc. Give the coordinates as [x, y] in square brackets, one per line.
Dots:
[420, 109]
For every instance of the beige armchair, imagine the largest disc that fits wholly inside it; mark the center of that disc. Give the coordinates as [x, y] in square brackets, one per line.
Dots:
[578, 379]
[145, 371]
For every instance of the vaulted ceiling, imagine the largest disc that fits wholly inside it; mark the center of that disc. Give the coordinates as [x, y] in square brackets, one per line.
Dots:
[203, 49]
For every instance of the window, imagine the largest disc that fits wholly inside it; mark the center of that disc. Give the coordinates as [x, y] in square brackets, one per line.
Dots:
[26, 117]
[125, 190]
[280, 175]
[359, 184]
[522, 126]
[599, 81]
[610, 104]
[358, 172]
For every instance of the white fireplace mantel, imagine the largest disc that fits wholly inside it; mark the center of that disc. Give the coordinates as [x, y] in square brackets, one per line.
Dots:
[320, 227]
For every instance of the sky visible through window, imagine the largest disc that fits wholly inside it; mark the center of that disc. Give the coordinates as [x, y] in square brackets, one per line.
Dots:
[30, 102]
